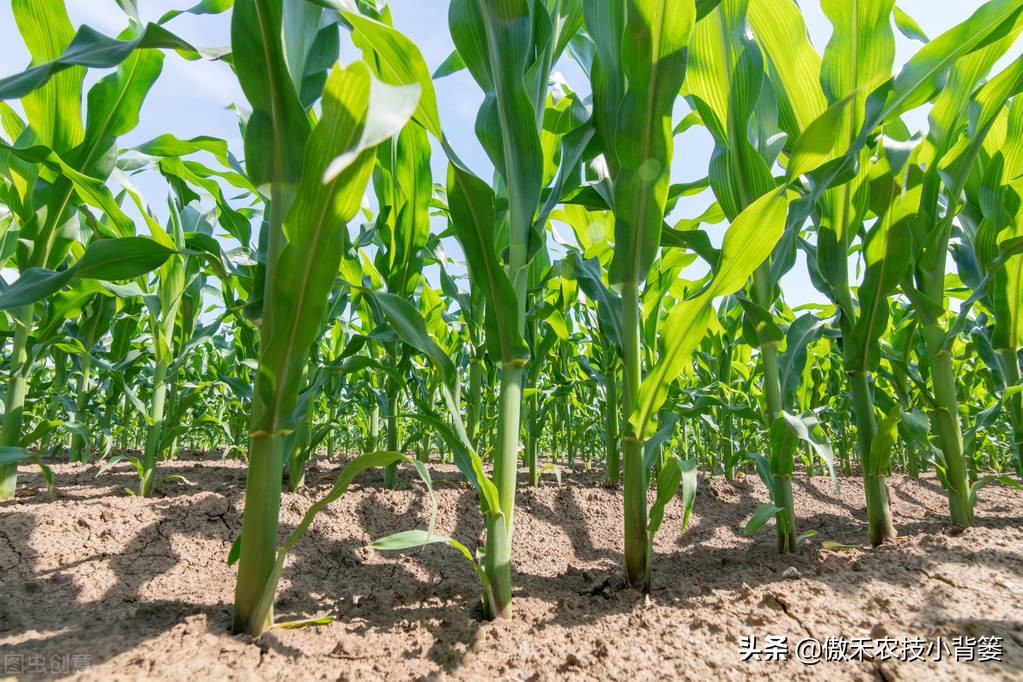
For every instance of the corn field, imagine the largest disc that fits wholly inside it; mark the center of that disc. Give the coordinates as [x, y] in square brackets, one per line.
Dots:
[686, 246]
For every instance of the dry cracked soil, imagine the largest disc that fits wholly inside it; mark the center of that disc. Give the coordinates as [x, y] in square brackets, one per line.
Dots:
[99, 585]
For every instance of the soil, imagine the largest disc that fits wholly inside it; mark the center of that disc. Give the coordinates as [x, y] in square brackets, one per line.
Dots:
[98, 585]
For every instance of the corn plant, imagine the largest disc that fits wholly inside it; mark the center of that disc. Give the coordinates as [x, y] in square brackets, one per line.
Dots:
[55, 166]
[726, 83]
[403, 188]
[990, 261]
[988, 34]
[315, 177]
[510, 48]
[635, 84]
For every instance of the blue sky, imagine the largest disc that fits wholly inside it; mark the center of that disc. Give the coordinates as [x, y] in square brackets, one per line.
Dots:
[191, 98]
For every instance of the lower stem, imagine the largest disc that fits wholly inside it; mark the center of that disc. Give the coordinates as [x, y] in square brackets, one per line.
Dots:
[14, 401]
[879, 513]
[475, 406]
[781, 462]
[613, 451]
[79, 444]
[259, 530]
[374, 428]
[391, 424]
[155, 432]
[1011, 371]
[171, 409]
[638, 552]
[785, 518]
[500, 522]
[946, 418]
[531, 440]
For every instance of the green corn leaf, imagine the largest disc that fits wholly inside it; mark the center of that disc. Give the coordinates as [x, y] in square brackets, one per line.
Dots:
[34, 284]
[39, 431]
[609, 304]
[309, 49]
[341, 485]
[410, 326]
[674, 473]
[636, 82]
[761, 322]
[473, 217]
[763, 466]
[316, 225]
[668, 480]
[858, 59]
[202, 7]
[107, 259]
[806, 429]
[986, 110]
[419, 538]
[11, 455]
[398, 61]
[705, 7]
[278, 128]
[496, 41]
[859, 55]
[408, 539]
[46, 471]
[805, 535]
[833, 546]
[169, 145]
[889, 253]
[747, 244]
[110, 463]
[920, 78]
[748, 241]
[114, 105]
[908, 27]
[53, 109]
[652, 446]
[818, 144]
[779, 27]
[453, 64]
[123, 258]
[305, 623]
[465, 18]
[697, 241]
[884, 441]
[803, 332]
[725, 80]
[92, 49]
[466, 459]
[392, 108]
[90, 190]
[761, 516]
[11, 122]
[1007, 481]
[404, 187]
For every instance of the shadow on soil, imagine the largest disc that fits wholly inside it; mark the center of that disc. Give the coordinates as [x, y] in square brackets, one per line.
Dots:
[332, 570]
